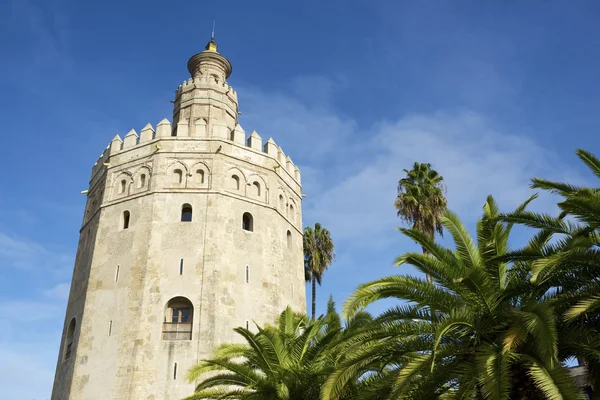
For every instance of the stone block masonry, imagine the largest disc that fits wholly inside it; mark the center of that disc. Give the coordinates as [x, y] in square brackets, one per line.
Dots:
[190, 230]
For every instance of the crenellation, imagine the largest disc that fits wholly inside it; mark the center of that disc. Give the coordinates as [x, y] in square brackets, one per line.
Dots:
[183, 127]
[115, 145]
[147, 133]
[163, 129]
[199, 131]
[255, 141]
[271, 148]
[289, 165]
[239, 135]
[131, 139]
[281, 157]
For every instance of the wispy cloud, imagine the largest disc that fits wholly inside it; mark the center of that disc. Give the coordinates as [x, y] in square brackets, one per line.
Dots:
[59, 292]
[25, 253]
[351, 174]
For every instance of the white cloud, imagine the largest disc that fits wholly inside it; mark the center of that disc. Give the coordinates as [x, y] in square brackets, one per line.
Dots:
[350, 175]
[305, 129]
[474, 158]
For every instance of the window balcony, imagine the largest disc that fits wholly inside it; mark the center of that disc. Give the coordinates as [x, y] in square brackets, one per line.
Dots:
[177, 331]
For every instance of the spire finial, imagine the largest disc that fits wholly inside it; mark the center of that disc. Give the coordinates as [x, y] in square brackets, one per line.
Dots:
[212, 37]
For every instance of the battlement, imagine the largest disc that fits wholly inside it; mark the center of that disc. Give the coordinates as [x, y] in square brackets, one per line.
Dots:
[206, 82]
[163, 132]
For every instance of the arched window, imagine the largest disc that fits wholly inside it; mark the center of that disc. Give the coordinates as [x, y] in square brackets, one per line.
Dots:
[186, 213]
[200, 174]
[142, 180]
[177, 176]
[126, 217]
[292, 215]
[289, 239]
[69, 339]
[123, 186]
[178, 319]
[234, 182]
[256, 189]
[247, 222]
[281, 202]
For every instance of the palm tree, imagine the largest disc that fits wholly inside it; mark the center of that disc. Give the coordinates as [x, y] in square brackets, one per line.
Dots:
[483, 331]
[421, 201]
[288, 361]
[570, 264]
[319, 252]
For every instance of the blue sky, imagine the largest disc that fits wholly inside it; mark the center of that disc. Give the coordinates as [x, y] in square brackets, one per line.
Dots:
[491, 93]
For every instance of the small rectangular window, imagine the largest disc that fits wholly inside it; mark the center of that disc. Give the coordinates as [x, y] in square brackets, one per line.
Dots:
[181, 267]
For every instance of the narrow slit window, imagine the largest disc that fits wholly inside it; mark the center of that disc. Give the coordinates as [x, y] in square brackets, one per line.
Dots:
[110, 328]
[69, 342]
[123, 186]
[181, 267]
[175, 371]
[247, 324]
[186, 213]
[289, 239]
[117, 273]
[126, 217]
[247, 274]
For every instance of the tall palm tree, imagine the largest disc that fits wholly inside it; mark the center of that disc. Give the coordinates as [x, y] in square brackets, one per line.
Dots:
[319, 252]
[421, 201]
[494, 335]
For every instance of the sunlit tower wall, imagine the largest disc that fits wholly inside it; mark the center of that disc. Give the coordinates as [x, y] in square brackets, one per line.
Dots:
[190, 230]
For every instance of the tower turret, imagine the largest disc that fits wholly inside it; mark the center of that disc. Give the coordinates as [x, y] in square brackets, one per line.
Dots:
[190, 230]
[206, 95]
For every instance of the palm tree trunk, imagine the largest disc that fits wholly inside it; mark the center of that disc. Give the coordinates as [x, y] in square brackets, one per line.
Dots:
[429, 277]
[314, 296]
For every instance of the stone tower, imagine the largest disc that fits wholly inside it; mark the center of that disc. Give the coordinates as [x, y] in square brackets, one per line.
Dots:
[190, 230]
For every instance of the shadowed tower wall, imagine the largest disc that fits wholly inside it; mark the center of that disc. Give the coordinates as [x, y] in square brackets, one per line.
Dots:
[190, 230]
